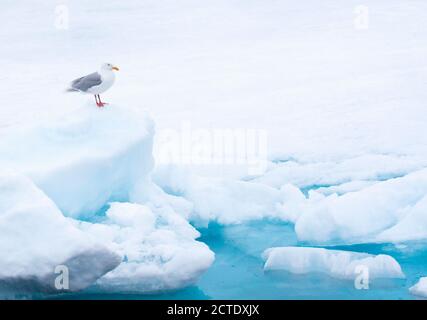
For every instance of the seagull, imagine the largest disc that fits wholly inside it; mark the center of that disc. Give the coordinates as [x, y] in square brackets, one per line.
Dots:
[96, 83]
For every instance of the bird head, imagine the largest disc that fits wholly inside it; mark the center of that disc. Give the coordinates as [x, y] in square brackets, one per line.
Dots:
[108, 67]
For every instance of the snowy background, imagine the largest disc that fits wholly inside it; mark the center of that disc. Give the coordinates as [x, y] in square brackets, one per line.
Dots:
[330, 98]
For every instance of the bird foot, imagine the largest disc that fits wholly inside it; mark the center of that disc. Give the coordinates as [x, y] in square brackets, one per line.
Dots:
[101, 104]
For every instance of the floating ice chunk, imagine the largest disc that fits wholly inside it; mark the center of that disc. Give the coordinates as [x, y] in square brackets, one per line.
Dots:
[361, 216]
[84, 159]
[157, 197]
[226, 201]
[420, 288]
[336, 263]
[158, 245]
[293, 202]
[413, 225]
[35, 238]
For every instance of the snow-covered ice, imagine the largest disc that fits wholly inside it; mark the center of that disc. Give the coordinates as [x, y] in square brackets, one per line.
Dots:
[85, 158]
[218, 199]
[158, 246]
[79, 166]
[367, 168]
[322, 88]
[420, 288]
[336, 263]
[35, 239]
[230, 201]
[361, 216]
[412, 226]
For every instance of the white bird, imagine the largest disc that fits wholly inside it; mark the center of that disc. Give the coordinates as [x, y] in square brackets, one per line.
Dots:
[96, 83]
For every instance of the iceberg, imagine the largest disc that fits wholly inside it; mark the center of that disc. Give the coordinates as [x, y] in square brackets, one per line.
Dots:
[85, 158]
[35, 238]
[335, 263]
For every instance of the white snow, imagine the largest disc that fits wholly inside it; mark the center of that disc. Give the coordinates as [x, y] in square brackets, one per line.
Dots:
[323, 88]
[335, 263]
[35, 238]
[420, 288]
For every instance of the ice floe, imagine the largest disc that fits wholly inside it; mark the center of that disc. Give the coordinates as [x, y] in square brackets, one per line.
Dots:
[159, 248]
[226, 201]
[36, 239]
[420, 288]
[335, 263]
[85, 158]
[361, 216]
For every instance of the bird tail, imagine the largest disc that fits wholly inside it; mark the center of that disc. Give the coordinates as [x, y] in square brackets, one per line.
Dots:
[71, 90]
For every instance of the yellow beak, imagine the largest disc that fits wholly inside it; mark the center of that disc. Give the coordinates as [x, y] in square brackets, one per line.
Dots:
[115, 68]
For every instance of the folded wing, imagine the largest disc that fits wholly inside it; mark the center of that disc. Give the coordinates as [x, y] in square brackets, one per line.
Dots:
[86, 82]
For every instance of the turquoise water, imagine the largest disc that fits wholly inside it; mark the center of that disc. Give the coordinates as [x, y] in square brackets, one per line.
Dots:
[237, 272]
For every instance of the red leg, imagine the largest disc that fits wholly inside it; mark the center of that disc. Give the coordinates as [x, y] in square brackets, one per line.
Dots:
[101, 104]
[97, 103]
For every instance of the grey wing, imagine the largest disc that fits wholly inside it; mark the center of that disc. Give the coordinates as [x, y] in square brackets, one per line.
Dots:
[86, 82]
